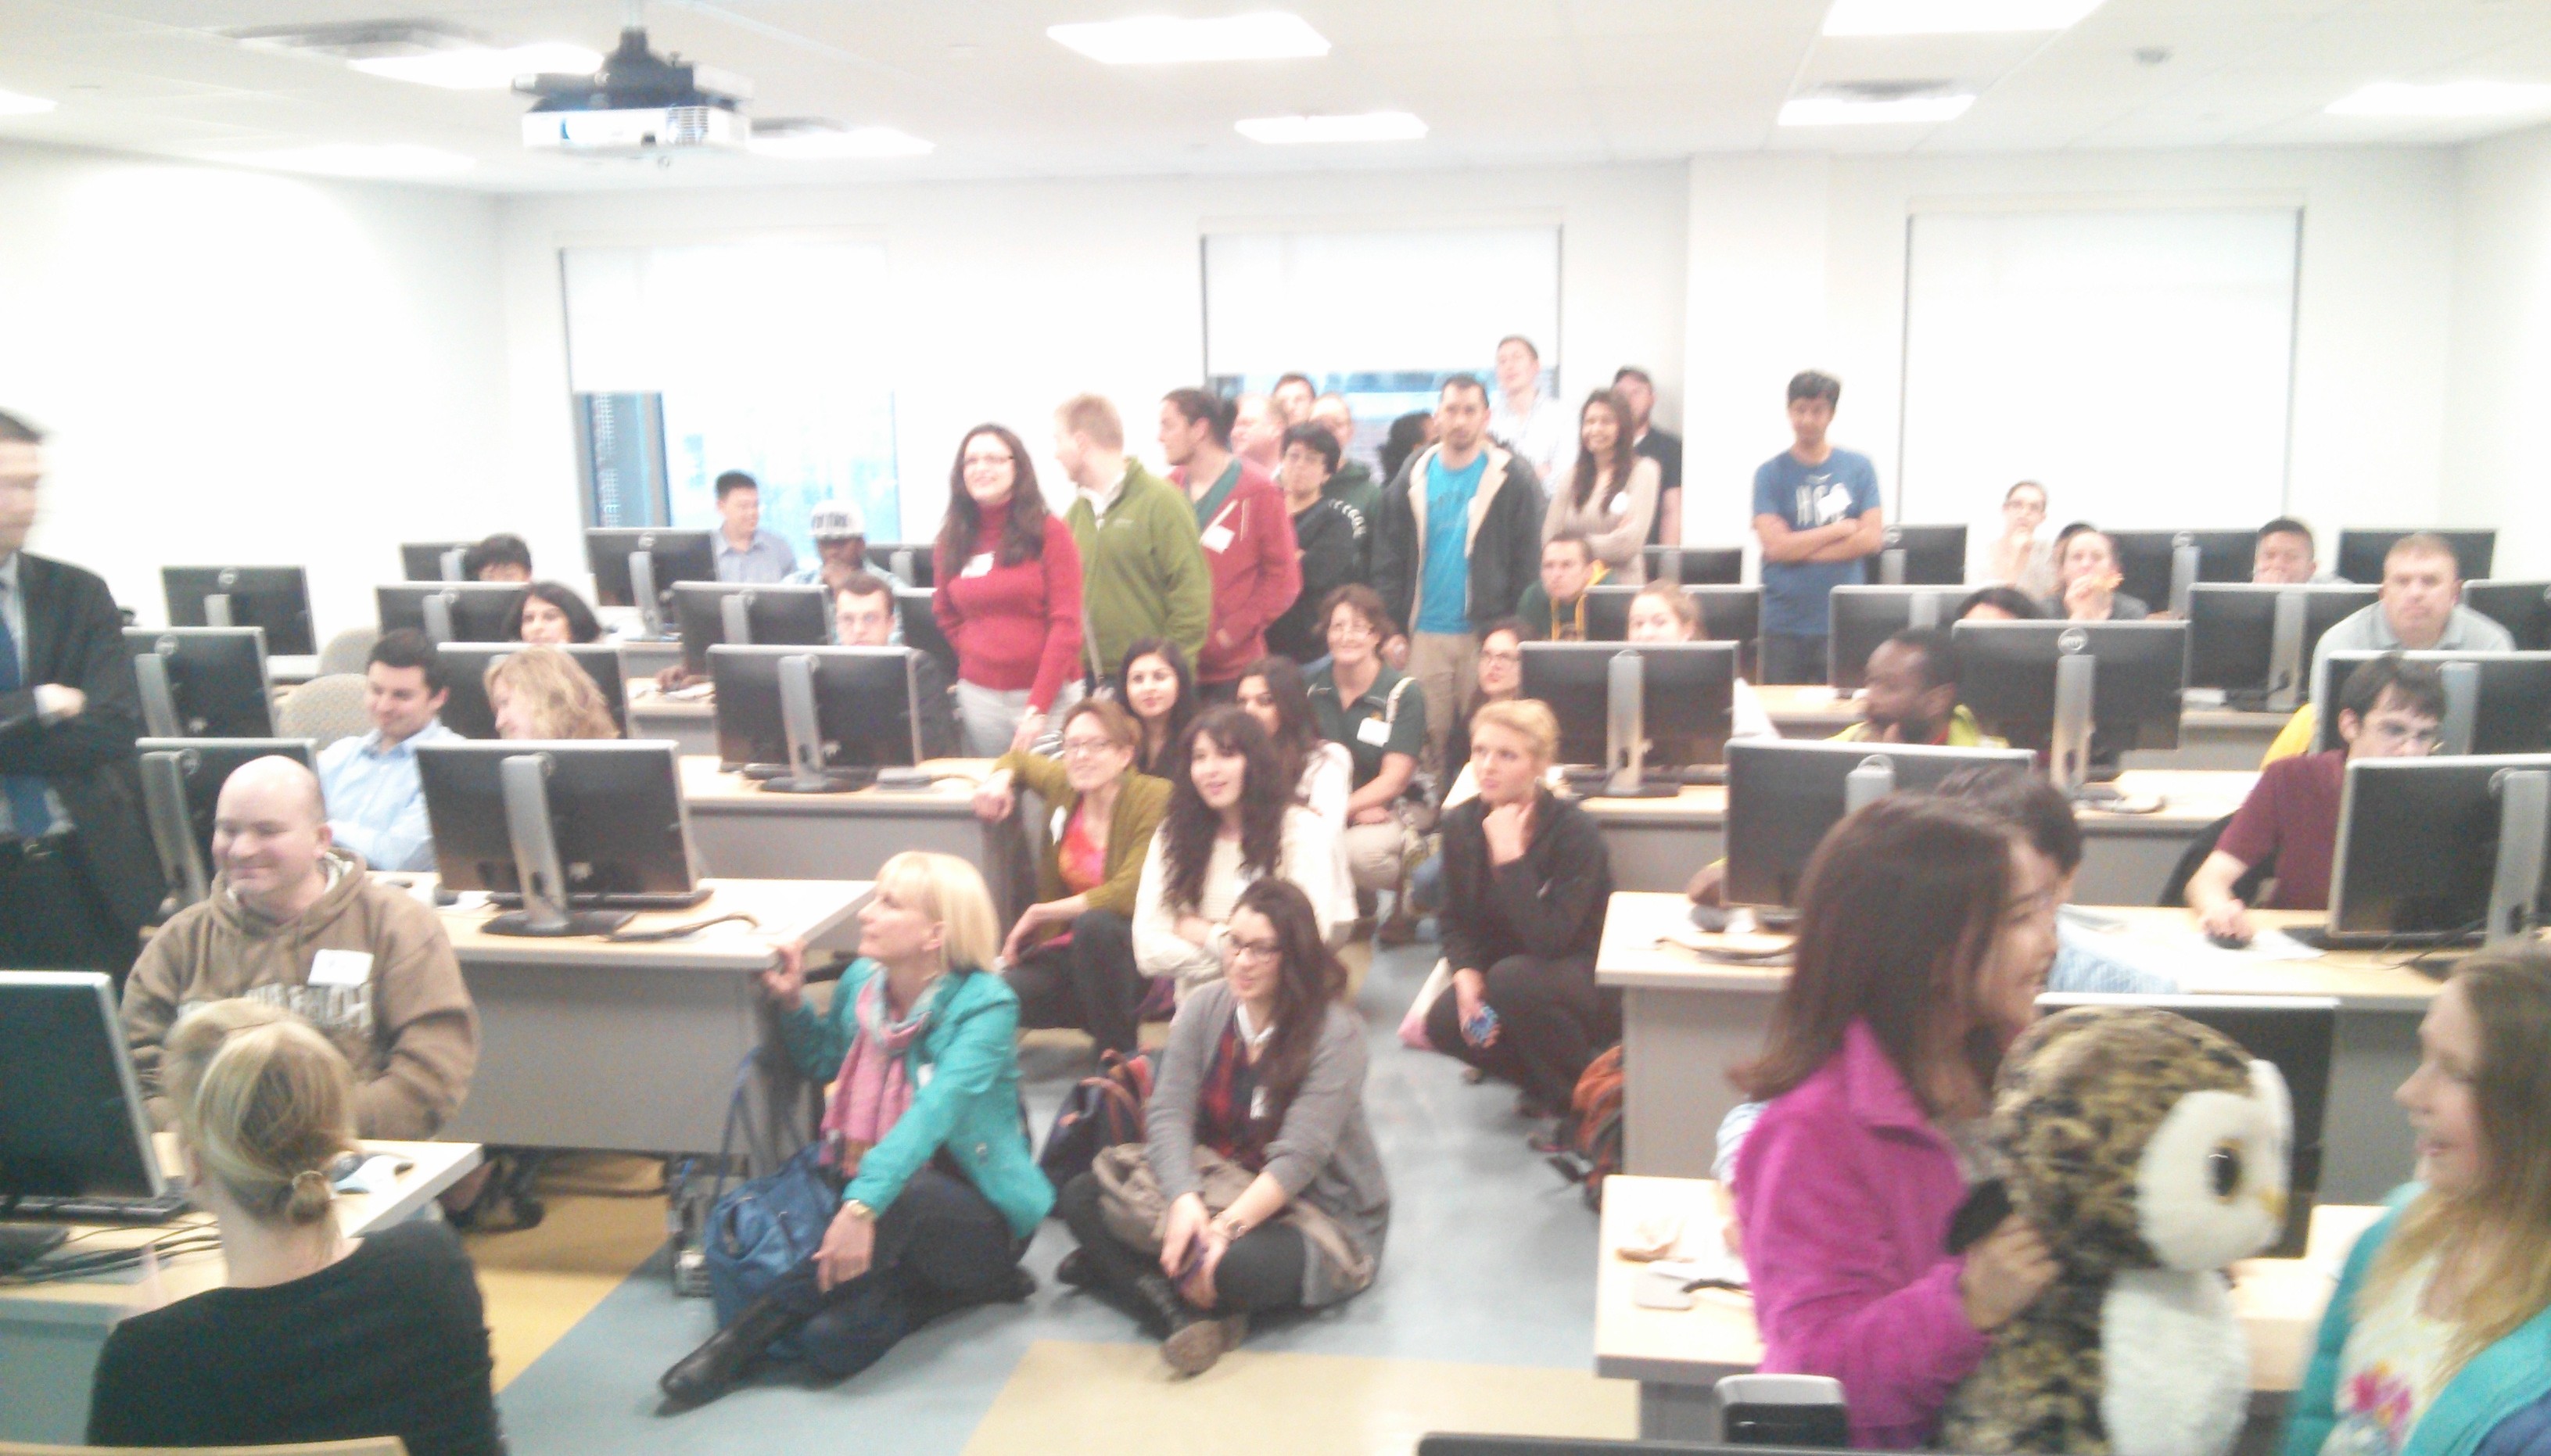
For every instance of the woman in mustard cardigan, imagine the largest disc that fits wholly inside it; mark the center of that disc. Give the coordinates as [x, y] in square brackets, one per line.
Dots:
[1071, 957]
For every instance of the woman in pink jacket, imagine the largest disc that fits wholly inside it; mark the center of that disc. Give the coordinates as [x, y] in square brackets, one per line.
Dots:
[1925, 931]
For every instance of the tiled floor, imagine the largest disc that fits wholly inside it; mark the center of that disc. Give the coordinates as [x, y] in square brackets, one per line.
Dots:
[1481, 1318]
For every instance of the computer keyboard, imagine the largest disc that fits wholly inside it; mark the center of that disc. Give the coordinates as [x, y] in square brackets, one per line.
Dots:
[85, 1210]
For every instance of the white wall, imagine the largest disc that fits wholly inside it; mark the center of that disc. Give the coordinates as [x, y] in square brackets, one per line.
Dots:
[1013, 296]
[238, 367]
[2494, 465]
[1798, 262]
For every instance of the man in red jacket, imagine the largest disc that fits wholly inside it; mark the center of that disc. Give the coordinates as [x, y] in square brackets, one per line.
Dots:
[1246, 531]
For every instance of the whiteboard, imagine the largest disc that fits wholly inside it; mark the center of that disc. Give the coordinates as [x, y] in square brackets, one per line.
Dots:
[1414, 300]
[2137, 363]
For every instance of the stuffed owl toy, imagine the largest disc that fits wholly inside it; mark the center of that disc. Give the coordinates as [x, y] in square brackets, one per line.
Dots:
[2149, 1152]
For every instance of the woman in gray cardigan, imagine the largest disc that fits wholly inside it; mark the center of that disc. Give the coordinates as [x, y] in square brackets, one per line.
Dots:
[1259, 1187]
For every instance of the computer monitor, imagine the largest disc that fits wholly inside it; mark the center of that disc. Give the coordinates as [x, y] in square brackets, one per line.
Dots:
[276, 598]
[720, 614]
[590, 829]
[2440, 850]
[2256, 643]
[1783, 797]
[468, 711]
[921, 628]
[201, 682]
[1695, 566]
[2081, 692]
[913, 563]
[451, 611]
[620, 557]
[2361, 552]
[2523, 608]
[1921, 555]
[1859, 618]
[2150, 563]
[1636, 711]
[816, 720]
[71, 1119]
[2294, 1034]
[433, 560]
[2496, 702]
[181, 786]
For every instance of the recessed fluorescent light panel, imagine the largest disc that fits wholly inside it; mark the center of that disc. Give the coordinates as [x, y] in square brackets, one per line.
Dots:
[483, 68]
[1846, 111]
[1951, 17]
[347, 160]
[14, 104]
[1368, 125]
[1157, 39]
[2445, 99]
[818, 140]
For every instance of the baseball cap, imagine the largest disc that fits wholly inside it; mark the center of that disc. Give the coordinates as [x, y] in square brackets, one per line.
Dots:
[833, 521]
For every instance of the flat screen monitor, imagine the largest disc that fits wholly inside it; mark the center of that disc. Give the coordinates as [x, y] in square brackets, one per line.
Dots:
[2496, 702]
[71, 1119]
[863, 698]
[615, 813]
[913, 563]
[474, 611]
[2296, 1035]
[2006, 674]
[1695, 566]
[2419, 844]
[1783, 797]
[181, 786]
[433, 560]
[468, 711]
[1859, 618]
[276, 598]
[201, 682]
[2523, 608]
[1921, 555]
[2147, 560]
[2361, 552]
[676, 556]
[2233, 641]
[768, 616]
[1688, 700]
[921, 628]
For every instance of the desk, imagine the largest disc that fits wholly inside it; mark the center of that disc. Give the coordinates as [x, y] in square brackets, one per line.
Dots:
[1678, 1355]
[642, 658]
[744, 832]
[1685, 1021]
[51, 1333]
[691, 723]
[1657, 843]
[2209, 738]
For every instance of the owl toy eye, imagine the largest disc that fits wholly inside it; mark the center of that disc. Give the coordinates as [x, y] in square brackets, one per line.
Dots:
[2224, 1170]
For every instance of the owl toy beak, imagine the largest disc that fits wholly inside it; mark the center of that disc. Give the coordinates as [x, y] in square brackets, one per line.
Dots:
[2273, 1200]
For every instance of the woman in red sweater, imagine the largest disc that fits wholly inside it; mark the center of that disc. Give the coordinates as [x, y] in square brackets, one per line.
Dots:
[1008, 596]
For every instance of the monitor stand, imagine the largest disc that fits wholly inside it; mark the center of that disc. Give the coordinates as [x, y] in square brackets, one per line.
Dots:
[642, 592]
[159, 700]
[172, 831]
[2068, 759]
[2462, 707]
[807, 771]
[1872, 781]
[2286, 667]
[217, 611]
[1625, 746]
[451, 563]
[436, 611]
[544, 912]
[2523, 818]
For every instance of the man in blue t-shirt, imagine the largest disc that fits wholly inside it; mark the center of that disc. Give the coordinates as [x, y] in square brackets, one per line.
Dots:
[1816, 513]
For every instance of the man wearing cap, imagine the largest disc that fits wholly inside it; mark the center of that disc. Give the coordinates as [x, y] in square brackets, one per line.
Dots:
[841, 548]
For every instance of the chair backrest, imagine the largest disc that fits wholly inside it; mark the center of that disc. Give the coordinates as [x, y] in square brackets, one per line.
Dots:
[325, 709]
[367, 1446]
[345, 652]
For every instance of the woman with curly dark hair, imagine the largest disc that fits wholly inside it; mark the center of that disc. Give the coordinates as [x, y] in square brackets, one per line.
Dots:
[1008, 595]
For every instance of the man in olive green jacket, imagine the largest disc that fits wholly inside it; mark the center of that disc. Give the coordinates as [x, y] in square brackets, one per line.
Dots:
[1142, 566]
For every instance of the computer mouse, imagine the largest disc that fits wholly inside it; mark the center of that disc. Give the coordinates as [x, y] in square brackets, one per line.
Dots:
[2221, 941]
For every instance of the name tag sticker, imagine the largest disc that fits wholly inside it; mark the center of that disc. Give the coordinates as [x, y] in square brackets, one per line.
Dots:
[341, 968]
[1621, 504]
[1216, 538]
[979, 564]
[1373, 731]
[921, 1075]
[1258, 1105]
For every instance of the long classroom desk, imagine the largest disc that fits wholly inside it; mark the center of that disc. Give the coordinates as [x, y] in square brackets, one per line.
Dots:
[691, 723]
[746, 832]
[1685, 1021]
[51, 1333]
[1678, 1355]
[2126, 858]
[2209, 738]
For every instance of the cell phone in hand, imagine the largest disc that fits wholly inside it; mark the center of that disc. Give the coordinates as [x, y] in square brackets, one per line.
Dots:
[1988, 1205]
[1481, 1026]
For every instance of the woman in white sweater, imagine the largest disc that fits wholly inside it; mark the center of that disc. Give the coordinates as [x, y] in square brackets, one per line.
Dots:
[1232, 819]
[1611, 495]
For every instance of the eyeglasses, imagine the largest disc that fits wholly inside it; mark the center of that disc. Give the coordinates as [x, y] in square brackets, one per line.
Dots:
[1079, 748]
[1502, 659]
[1354, 631]
[1255, 950]
[2424, 736]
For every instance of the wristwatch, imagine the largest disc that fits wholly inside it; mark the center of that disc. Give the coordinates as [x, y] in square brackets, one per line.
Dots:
[860, 1210]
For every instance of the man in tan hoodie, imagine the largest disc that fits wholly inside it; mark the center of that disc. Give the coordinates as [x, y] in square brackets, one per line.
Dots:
[295, 920]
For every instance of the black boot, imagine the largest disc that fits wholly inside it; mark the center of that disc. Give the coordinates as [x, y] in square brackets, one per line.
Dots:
[1190, 1340]
[713, 1368]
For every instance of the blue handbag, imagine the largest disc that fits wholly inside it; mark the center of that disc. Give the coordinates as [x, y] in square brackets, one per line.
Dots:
[761, 1229]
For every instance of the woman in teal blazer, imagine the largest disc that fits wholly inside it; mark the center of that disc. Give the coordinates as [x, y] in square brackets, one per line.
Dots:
[939, 1194]
[2437, 1341]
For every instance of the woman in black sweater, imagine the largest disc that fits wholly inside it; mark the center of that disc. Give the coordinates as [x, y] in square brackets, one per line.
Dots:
[1526, 882]
[314, 1337]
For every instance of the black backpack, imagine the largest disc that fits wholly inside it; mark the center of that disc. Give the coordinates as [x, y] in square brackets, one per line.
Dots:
[1100, 1111]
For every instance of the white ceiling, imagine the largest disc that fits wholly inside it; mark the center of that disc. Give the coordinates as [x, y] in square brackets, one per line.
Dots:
[1499, 81]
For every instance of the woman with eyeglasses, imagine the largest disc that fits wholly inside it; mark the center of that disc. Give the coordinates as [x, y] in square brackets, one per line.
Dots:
[1257, 1186]
[1071, 956]
[1008, 593]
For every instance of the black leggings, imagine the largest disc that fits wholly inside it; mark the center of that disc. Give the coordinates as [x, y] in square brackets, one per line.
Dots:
[1262, 1270]
[939, 1247]
[1090, 983]
[1551, 1018]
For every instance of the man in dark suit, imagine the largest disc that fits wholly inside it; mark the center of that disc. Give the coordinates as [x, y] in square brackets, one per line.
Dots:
[78, 876]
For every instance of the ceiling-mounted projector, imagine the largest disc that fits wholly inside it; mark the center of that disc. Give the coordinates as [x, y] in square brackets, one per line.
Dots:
[640, 104]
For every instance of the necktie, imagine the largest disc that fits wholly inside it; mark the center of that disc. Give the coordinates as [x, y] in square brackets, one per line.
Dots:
[25, 791]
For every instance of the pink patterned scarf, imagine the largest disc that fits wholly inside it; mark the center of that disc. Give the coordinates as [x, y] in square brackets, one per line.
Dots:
[872, 1091]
